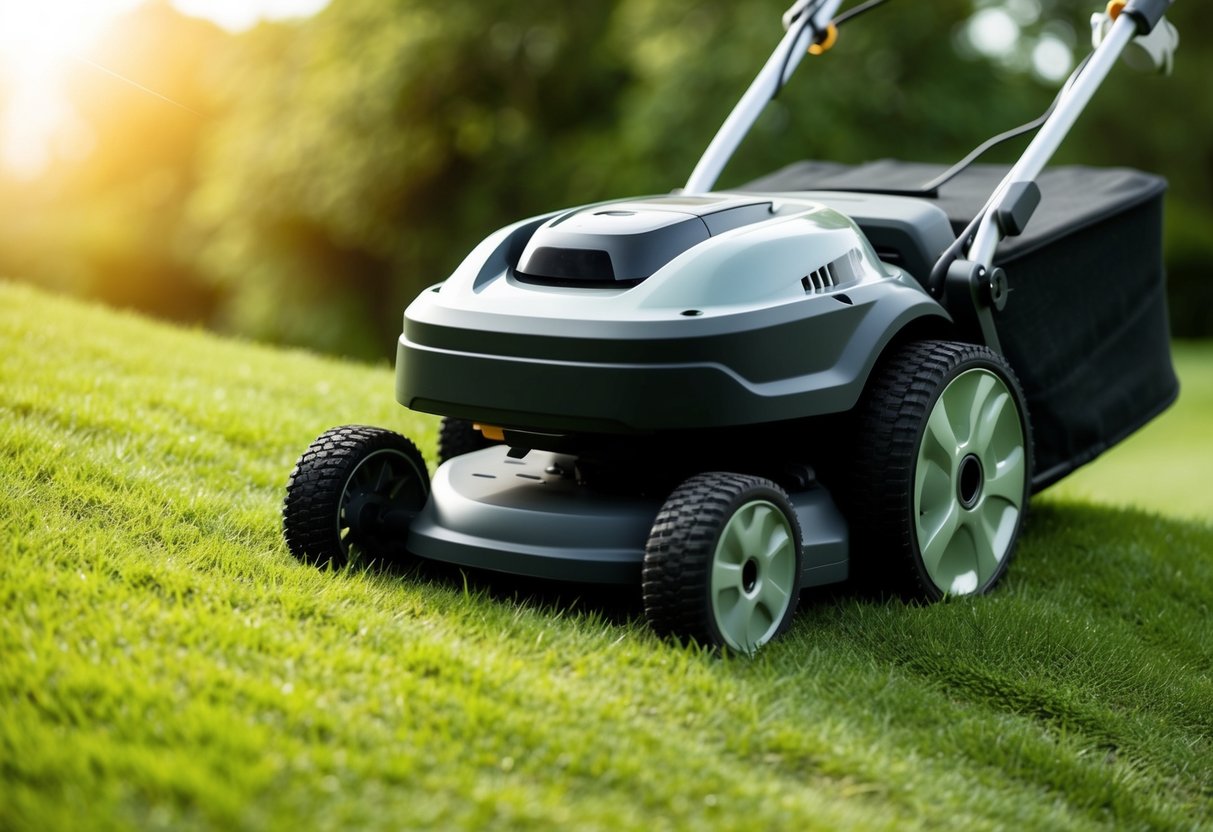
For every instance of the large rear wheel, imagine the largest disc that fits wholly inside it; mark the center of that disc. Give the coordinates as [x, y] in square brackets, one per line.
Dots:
[942, 473]
[457, 437]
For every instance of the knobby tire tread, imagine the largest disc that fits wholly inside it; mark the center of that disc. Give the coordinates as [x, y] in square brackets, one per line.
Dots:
[313, 490]
[879, 492]
[678, 555]
[457, 437]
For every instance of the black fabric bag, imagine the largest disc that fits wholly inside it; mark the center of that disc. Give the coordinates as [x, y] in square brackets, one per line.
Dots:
[1085, 328]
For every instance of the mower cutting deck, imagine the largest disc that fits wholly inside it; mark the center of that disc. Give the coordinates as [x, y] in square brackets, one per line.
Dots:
[531, 517]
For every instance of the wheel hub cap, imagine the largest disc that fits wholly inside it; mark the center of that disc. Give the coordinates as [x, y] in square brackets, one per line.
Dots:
[384, 482]
[753, 572]
[969, 482]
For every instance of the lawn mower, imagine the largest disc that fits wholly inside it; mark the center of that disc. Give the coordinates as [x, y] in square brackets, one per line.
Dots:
[725, 397]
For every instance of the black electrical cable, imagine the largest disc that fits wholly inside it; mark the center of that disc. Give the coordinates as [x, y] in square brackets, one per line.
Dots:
[837, 22]
[931, 189]
[952, 172]
[939, 271]
[852, 13]
[807, 12]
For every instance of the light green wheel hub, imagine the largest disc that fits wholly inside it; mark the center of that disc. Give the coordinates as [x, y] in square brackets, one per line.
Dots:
[969, 482]
[753, 572]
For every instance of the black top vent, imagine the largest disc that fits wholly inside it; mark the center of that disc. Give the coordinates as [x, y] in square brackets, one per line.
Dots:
[571, 264]
[626, 242]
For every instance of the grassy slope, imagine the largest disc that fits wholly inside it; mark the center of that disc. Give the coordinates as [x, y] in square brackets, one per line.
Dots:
[1165, 466]
[163, 663]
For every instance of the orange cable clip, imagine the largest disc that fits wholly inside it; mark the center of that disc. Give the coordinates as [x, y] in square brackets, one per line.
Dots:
[827, 40]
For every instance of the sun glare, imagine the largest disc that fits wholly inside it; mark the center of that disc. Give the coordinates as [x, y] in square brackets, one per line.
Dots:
[39, 39]
[34, 33]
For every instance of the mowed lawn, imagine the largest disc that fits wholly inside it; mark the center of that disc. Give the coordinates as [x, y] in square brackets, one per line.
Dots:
[1167, 466]
[164, 664]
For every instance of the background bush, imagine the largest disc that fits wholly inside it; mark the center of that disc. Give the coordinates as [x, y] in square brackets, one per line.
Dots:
[326, 171]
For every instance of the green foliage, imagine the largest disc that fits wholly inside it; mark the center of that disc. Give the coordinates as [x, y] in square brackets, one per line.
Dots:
[410, 134]
[371, 148]
[327, 171]
[165, 664]
[107, 221]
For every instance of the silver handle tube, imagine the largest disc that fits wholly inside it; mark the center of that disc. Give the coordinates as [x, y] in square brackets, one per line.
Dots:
[1052, 133]
[774, 73]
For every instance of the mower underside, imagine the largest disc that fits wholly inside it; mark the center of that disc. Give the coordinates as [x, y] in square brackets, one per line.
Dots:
[530, 517]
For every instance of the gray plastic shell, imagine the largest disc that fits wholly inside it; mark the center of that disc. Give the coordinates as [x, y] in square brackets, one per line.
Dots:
[549, 374]
[489, 511]
[757, 340]
[912, 233]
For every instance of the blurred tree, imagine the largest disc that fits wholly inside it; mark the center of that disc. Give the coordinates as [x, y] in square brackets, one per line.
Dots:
[370, 149]
[322, 173]
[893, 86]
[106, 220]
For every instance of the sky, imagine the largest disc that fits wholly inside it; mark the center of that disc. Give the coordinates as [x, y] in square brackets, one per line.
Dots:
[238, 15]
[40, 38]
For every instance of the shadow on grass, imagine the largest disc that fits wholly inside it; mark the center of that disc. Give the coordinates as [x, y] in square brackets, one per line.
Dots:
[1088, 548]
[614, 603]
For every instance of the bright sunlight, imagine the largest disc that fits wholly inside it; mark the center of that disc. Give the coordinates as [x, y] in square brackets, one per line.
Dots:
[37, 39]
[41, 39]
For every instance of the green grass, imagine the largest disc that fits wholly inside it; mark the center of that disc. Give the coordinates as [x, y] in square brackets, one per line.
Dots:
[1165, 466]
[165, 664]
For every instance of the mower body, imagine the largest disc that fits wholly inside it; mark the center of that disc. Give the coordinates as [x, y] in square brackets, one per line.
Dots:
[729, 396]
[620, 346]
[662, 314]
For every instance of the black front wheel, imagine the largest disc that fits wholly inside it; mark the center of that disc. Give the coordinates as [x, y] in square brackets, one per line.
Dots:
[722, 563]
[352, 496]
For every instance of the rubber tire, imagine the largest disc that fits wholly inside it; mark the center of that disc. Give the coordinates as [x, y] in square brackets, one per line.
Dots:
[457, 437]
[311, 510]
[879, 495]
[678, 555]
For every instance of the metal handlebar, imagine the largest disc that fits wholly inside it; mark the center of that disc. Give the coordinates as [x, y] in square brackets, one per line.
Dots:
[803, 20]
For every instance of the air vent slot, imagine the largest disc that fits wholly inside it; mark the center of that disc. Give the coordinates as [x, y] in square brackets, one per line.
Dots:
[837, 273]
[819, 280]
